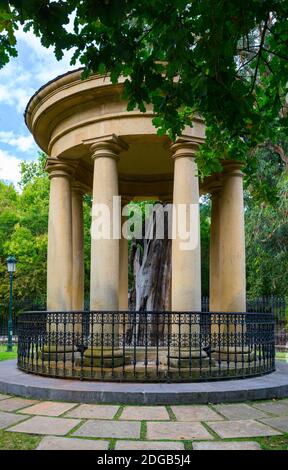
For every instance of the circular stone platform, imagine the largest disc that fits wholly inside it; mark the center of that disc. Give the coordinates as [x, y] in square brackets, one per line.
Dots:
[15, 382]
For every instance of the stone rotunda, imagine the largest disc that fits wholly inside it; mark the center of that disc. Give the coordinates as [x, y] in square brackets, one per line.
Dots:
[96, 146]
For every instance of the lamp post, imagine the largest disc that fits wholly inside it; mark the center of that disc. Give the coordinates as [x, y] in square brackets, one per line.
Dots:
[11, 267]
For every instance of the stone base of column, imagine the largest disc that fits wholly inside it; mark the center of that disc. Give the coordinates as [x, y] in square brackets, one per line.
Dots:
[187, 359]
[232, 354]
[106, 357]
[59, 353]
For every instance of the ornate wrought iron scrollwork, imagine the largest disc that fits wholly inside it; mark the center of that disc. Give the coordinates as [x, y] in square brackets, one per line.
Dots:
[146, 346]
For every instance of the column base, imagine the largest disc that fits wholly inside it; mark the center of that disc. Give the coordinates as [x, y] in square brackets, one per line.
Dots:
[232, 354]
[187, 359]
[106, 357]
[59, 353]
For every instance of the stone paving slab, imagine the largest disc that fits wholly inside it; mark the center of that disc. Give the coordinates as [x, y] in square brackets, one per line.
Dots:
[93, 412]
[237, 445]
[177, 431]
[241, 428]
[4, 397]
[144, 445]
[46, 425]
[8, 419]
[145, 413]
[280, 423]
[239, 411]
[195, 413]
[49, 408]
[109, 429]
[64, 443]
[275, 407]
[13, 404]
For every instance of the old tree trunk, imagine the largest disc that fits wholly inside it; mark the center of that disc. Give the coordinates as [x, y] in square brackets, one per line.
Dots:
[150, 262]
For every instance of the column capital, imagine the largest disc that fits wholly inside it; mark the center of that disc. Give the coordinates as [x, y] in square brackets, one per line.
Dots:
[60, 168]
[214, 183]
[232, 168]
[214, 187]
[183, 147]
[79, 188]
[109, 146]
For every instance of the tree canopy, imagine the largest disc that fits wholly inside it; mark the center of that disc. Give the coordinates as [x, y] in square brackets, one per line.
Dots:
[225, 60]
[24, 231]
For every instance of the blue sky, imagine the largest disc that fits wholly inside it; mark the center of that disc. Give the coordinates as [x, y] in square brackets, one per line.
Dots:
[34, 66]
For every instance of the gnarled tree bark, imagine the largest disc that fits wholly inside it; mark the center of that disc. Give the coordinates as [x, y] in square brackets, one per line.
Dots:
[150, 261]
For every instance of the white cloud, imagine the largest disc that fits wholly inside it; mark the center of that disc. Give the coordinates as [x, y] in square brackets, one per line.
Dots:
[22, 76]
[33, 42]
[21, 142]
[5, 96]
[46, 66]
[19, 79]
[9, 167]
[15, 86]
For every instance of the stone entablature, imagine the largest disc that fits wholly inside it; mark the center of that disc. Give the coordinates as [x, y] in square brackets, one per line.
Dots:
[68, 111]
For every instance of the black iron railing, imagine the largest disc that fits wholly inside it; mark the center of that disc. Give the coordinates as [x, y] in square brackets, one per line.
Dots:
[19, 306]
[146, 346]
[269, 304]
[277, 306]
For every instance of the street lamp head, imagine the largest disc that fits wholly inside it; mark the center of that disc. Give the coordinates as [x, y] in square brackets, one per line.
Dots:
[11, 264]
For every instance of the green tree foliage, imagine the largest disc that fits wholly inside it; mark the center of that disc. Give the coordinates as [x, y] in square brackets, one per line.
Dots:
[24, 228]
[266, 219]
[225, 60]
[266, 223]
[8, 219]
[32, 170]
[8, 213]
[205, 220]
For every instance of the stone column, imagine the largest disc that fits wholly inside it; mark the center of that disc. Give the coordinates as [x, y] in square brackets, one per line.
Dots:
[123, 265]
[232, 285]
[77, 247]
[186, 263]
[215, 267]
[232, 241]
[59, 259]
[215, 271]
[105, 252]
[104, 287]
